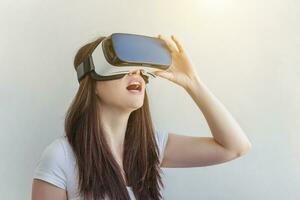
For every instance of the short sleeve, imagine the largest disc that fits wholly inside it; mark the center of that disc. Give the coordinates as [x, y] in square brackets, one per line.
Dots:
[50, 166]
[162, 138]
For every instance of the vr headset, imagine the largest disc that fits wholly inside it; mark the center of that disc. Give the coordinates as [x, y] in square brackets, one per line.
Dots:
[120, 53]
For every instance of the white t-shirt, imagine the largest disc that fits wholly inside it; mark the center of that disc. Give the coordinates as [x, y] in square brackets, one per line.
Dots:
[57, 165]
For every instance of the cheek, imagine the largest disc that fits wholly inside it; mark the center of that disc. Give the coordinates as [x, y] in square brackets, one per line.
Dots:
[110, 91]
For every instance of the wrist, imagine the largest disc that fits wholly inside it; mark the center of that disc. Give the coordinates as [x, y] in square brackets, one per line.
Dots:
[193, 83]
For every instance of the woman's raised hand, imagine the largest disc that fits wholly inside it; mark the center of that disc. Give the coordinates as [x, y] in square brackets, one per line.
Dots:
[181, 71]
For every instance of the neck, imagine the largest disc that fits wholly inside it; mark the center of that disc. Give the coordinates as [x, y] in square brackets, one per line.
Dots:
[114, 122]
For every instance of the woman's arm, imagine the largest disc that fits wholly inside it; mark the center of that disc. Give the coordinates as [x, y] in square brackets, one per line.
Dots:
[228, 141]
[42, 190]
[224, 128]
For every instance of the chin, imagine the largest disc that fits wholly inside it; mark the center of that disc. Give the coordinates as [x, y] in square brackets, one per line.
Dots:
[134, 101]
[135, 106]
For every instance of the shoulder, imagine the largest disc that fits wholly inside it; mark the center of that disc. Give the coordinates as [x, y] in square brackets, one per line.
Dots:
[55, 151]
[161, 136]
[52, 163]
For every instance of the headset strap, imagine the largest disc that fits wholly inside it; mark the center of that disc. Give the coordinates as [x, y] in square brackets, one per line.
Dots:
[87, 65]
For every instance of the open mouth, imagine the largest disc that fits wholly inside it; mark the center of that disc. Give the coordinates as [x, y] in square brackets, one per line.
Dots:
[135, 86]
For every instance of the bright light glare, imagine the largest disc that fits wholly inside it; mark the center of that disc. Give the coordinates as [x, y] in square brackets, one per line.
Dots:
[213, 6]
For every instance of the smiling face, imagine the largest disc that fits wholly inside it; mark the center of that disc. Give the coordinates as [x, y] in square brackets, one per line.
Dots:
[122, 93]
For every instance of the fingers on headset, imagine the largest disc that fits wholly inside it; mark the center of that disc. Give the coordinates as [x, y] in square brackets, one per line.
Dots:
[178, 44]
[169, 45]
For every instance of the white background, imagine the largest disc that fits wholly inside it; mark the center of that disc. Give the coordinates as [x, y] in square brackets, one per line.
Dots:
[246, 52]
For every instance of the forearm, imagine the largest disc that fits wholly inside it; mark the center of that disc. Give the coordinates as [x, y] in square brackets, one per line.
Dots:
[223, 126]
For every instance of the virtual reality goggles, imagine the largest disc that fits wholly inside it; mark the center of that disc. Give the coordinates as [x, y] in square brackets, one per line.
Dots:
[120, 53]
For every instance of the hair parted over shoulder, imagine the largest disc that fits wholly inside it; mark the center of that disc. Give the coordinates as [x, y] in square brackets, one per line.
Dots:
[98, 172]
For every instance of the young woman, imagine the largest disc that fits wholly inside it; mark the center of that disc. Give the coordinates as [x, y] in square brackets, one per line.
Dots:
[111, 149]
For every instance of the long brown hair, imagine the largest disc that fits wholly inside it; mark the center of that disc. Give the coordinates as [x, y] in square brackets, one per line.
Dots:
[98, 172]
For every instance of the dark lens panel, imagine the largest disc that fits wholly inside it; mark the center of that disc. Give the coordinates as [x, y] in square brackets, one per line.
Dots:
[141, 49]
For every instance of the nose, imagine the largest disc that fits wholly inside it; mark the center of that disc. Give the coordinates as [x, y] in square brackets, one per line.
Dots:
[137, 71]
[141, 73]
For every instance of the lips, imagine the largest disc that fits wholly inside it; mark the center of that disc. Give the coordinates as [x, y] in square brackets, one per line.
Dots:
[135, 83]
[134, 86]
